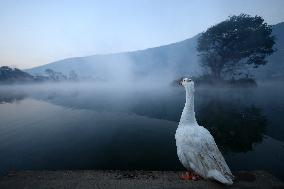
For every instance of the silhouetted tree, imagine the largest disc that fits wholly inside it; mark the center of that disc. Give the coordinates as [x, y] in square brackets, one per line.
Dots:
[55, 76]
[236, 42]
[73, 76]
[51, 74]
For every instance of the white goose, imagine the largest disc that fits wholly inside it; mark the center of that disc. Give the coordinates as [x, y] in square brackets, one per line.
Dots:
[196, 147]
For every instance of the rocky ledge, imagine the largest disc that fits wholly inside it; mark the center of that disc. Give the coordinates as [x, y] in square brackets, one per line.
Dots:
[129, 180]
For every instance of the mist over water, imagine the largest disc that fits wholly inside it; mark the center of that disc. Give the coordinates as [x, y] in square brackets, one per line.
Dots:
[129, 124]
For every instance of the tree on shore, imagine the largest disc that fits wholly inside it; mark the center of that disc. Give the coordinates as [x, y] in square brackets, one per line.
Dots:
[73, 76]
[55, 76]
[235, 43]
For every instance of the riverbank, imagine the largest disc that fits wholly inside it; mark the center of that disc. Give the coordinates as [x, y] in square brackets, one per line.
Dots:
[129, 180]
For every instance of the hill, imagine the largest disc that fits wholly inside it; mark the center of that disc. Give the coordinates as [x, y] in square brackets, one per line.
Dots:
[9, 75]
[274, 69]
[170, 61]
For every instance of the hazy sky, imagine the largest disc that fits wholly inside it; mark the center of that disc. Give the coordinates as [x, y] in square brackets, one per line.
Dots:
[37, 32]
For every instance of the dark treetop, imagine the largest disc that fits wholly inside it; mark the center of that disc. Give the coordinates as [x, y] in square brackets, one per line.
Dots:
[238, 41]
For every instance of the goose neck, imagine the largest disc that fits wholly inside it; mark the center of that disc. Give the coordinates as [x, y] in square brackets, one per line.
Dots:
[188, 114]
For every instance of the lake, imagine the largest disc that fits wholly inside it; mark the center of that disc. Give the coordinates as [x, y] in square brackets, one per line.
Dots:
[132, 127]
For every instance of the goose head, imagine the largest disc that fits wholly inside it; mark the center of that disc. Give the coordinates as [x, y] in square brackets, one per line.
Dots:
[187, 83]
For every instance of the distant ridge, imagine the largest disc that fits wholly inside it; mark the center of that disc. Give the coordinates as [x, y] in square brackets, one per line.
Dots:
[13, 75]
[170, 60]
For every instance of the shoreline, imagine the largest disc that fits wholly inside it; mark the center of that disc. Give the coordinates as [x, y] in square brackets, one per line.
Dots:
[117, 179]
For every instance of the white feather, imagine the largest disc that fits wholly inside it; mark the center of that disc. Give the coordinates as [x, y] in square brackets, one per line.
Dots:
[196, 147]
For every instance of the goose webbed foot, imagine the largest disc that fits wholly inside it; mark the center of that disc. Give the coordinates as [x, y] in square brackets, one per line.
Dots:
[190, 176]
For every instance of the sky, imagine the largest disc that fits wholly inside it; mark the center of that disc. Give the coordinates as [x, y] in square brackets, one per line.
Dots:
[37, 32]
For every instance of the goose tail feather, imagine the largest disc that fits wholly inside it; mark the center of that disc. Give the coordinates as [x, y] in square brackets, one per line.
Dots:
[217, 175]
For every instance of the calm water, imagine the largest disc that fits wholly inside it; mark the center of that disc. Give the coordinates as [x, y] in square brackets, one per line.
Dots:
[102, 127]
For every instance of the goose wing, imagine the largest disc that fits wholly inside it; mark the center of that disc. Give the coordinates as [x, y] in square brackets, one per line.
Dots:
[208, 159]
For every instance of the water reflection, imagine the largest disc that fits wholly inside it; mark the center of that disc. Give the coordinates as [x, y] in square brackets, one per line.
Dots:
[110, 128]
[233, 119]
[235, 122]
[53, 137]
[235, 127]
[8, 97]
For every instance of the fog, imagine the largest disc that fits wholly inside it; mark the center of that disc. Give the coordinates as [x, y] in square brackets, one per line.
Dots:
[163, 100]
[125, 83]
[133, 115]
[139, 96]
[157, 99]
[125, 68]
